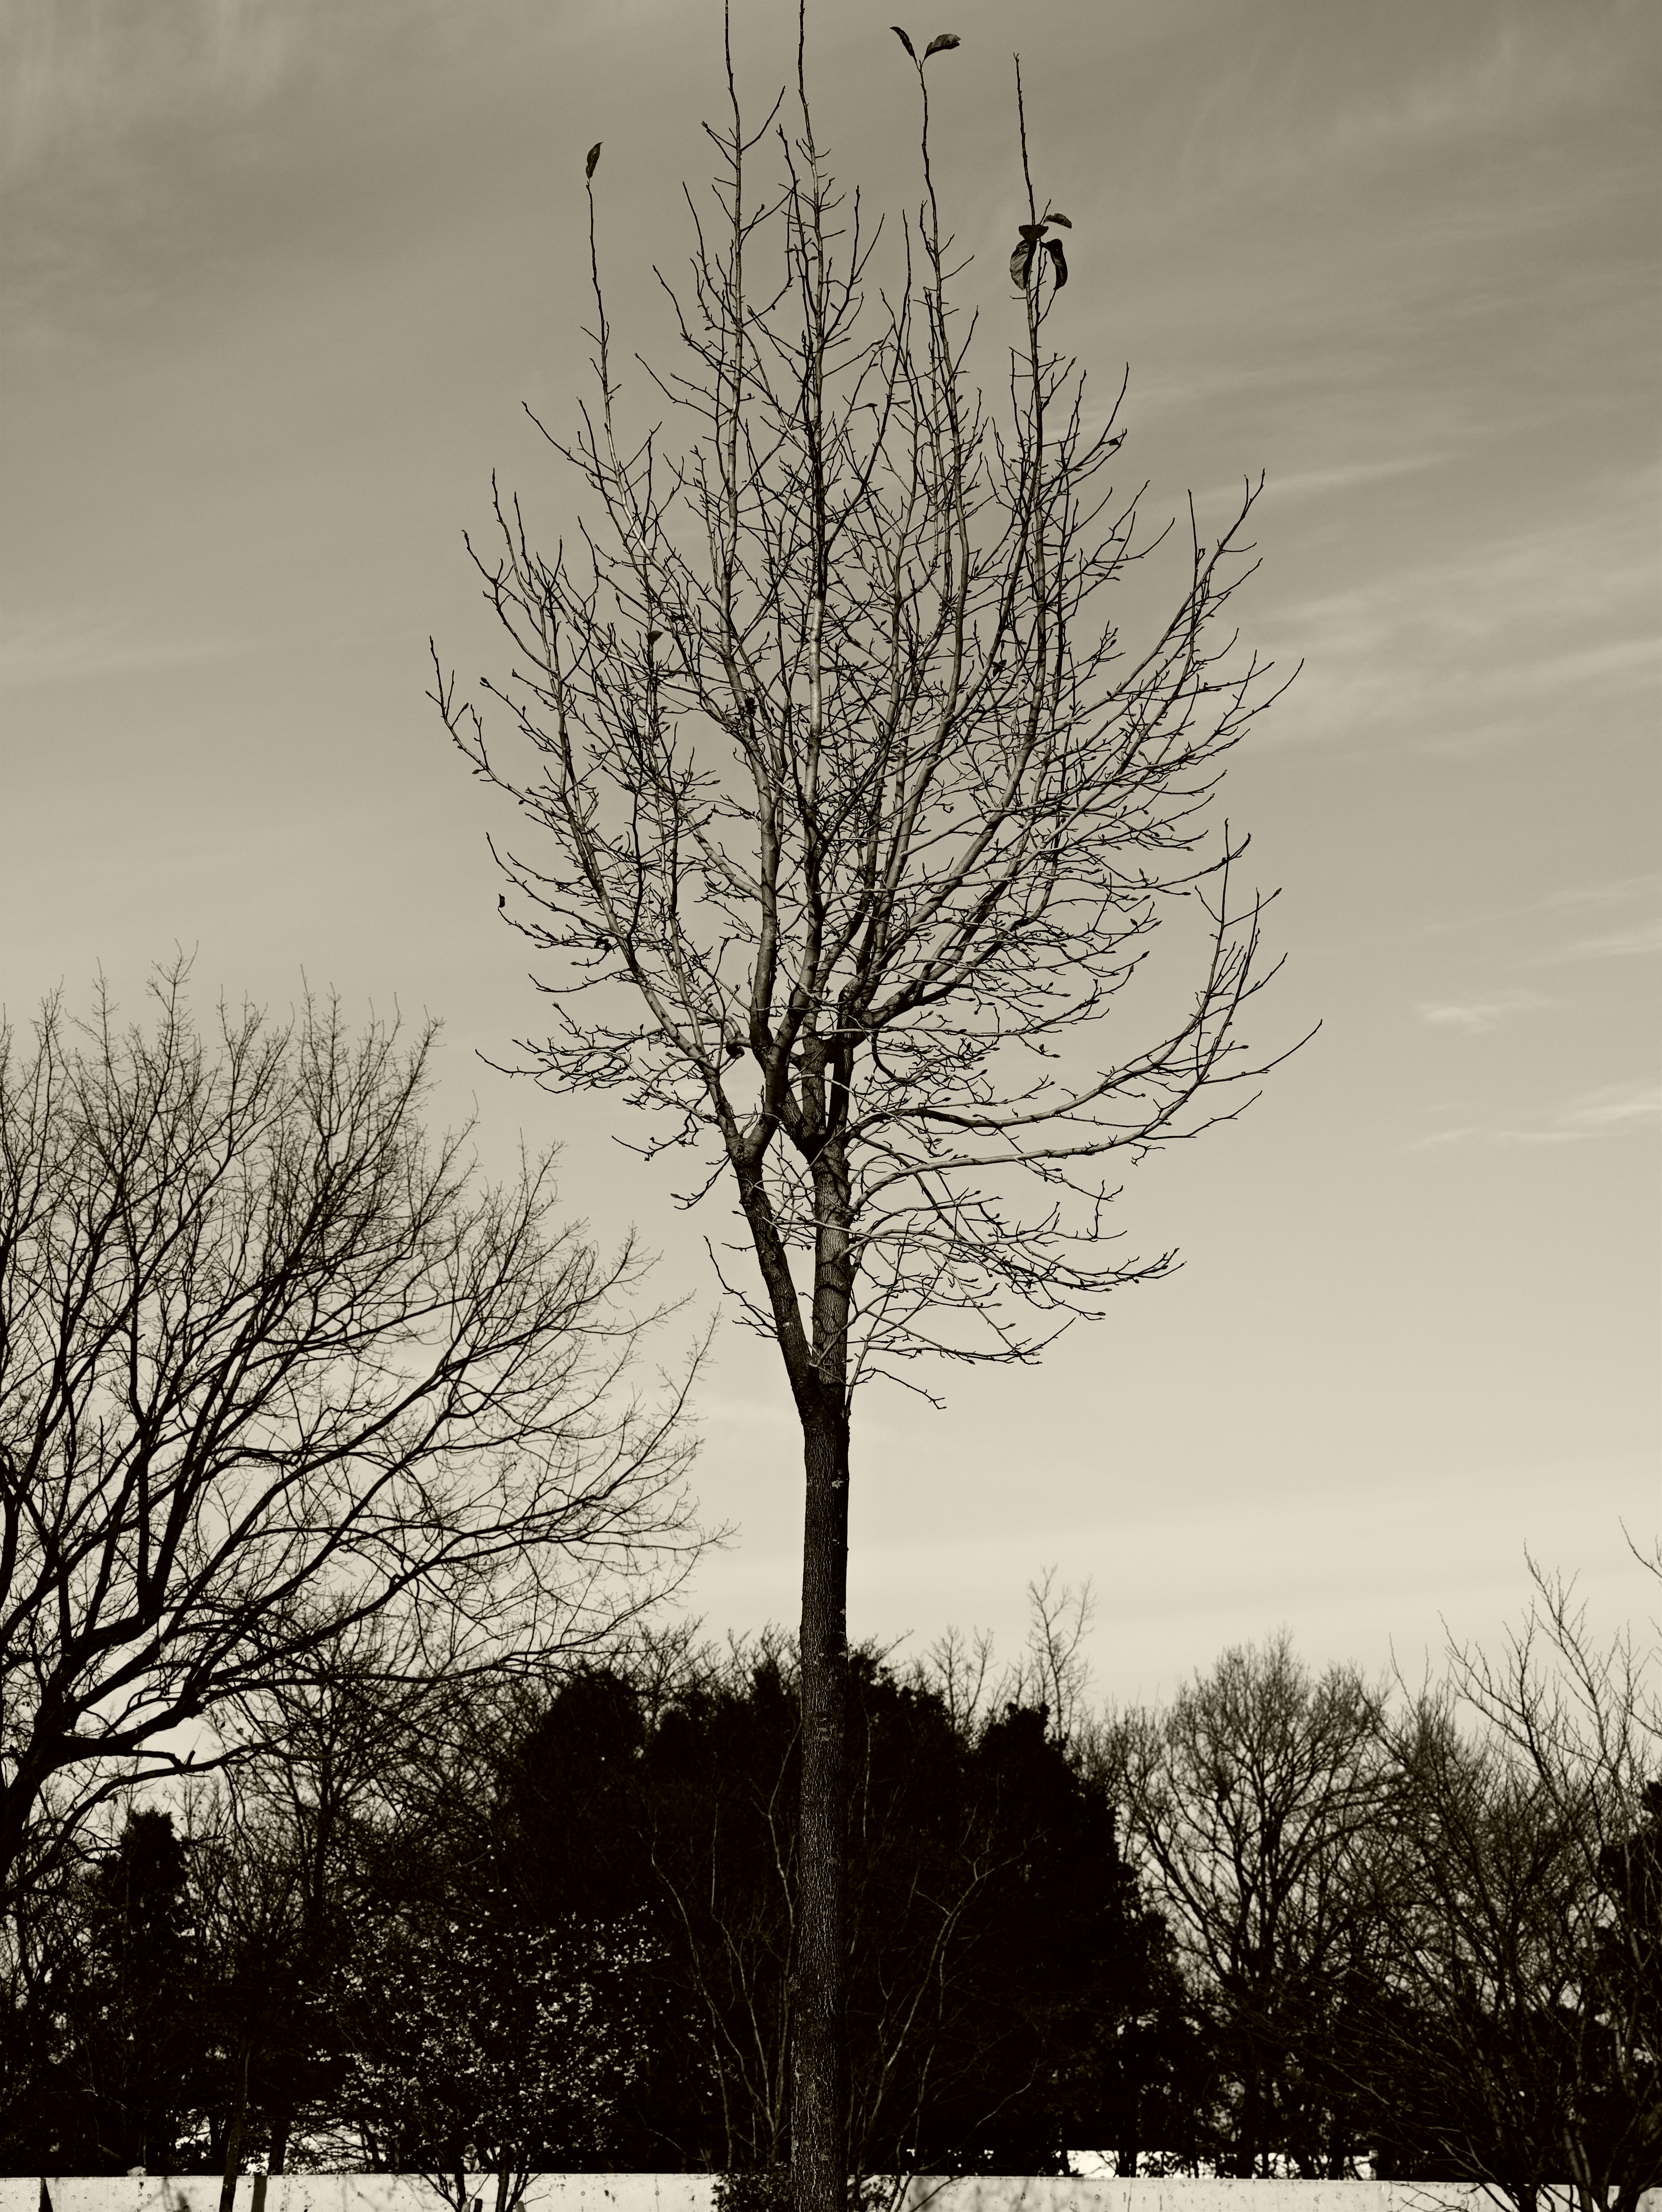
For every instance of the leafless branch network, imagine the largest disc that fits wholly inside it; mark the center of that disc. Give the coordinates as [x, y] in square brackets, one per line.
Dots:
[856, 816]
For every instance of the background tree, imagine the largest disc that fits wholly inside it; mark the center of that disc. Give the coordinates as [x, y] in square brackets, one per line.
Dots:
[1518, 2040]
[479, 2045]
[1257, 1804]
[333, 1768]
[271, 1363]
[249, 1908]
[853, 817]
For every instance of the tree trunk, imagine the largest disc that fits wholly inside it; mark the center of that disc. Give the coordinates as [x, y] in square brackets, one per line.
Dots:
[233, 2137]
[1129, 2135]
[819, 2090]
[818, 1370]
[277, 2161]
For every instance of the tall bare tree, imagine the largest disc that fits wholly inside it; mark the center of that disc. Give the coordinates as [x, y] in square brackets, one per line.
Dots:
[851, 819]
[271, 1363]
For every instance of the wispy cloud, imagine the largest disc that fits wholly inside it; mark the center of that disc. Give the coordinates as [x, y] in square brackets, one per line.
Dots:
[1613, 892]
[1642, 937]
[1554, 624]
[1479, 1016]
[1507, 81]
[1609, 1110]
[1627, 935]
[55, 649]
[1316, 484]
[89, 75]
[1347, 476]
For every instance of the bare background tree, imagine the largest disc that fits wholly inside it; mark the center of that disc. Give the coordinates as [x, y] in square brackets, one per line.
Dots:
[346, 1747]
[1255, 1801]
[854, 821]
[1423, 1928]
[271, 1364]
[1522, 2033]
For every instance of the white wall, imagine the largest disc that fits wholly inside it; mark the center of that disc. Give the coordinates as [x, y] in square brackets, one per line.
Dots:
[358, 2192]
[695, 2192]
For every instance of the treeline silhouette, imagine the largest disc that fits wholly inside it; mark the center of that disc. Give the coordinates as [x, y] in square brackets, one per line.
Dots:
[1286, 1922]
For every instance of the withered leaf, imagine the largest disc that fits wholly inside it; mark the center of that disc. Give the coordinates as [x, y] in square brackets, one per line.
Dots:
[1053, 248]
[905, 40]
[1062, 219]
[941, 43]
[594, 156]
[1021, 263]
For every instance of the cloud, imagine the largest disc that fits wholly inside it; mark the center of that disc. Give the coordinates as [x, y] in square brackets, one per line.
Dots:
[1510, 81]
[1308, 483]
[1642, 937]
[1409, 83]
[88, 77]
[1550, 626]
[55, 649]
[1617, 1106]
[1477, 1016]
[1611, 1110]
[1611, 892]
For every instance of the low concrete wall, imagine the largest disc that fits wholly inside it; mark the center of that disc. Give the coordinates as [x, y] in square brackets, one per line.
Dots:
[359, 2192]
[356, 2192]
[1184, 2193]
[695, 2192]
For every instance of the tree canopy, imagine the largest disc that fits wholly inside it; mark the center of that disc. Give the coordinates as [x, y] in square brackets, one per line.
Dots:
[274, 1362]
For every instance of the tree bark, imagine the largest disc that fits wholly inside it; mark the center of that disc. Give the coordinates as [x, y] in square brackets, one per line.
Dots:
[819, 2080]
[233, 2137]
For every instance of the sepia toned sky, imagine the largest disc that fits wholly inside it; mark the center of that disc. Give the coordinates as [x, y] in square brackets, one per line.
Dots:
[279, 274]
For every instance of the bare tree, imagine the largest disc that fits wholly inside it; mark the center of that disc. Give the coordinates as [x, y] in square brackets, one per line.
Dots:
[1053, 1673]
[852, 819]
[272, 1362]
[332, 1767]
[249, 1890]
[1523, 2036]
[1255, 1801]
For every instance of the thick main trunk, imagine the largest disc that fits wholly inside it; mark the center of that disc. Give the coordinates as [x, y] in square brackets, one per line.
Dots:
[818, 1368]
[819, 2084]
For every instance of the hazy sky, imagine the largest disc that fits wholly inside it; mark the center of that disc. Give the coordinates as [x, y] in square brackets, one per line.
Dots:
[279, 274]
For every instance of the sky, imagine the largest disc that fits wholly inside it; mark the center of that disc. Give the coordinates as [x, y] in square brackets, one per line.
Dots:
[279, 278]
